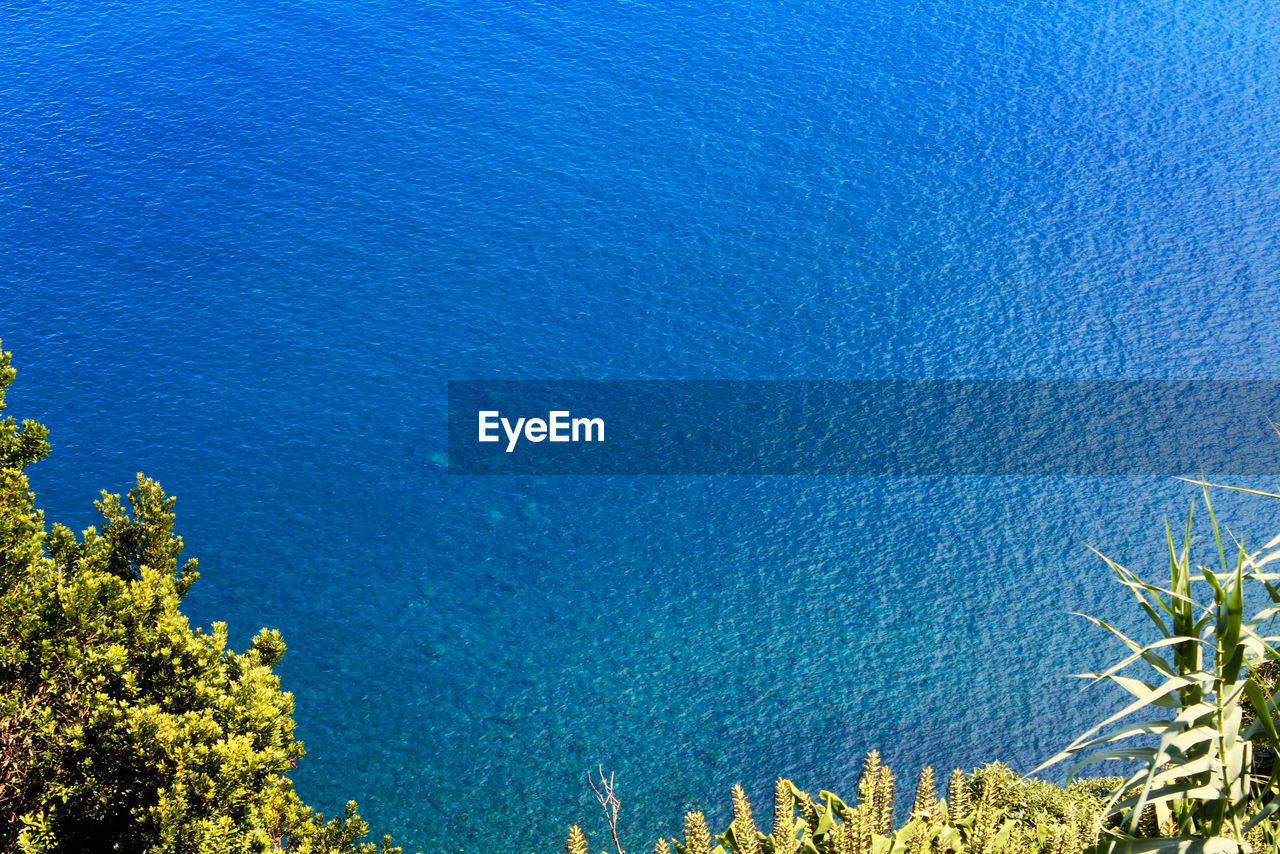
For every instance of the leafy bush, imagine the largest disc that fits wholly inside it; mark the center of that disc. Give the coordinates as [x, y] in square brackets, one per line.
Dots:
[1038, 802]
[121, 727]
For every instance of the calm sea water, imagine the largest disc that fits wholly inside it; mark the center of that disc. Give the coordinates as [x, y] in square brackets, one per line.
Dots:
[244, 245]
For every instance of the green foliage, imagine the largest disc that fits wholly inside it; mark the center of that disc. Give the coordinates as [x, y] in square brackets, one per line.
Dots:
[925, 803]
[577, 841]
[121, 727]
[783, 838]
[697, 837]
[958, 796]
[1034, 801]
[1009, 815]
[1196, 785]
[745, 838]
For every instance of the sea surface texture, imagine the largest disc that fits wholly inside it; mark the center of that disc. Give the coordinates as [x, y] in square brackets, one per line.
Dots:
[244, 245]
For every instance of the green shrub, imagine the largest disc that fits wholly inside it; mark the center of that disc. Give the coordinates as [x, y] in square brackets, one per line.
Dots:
[121, 727]
[1034, 801]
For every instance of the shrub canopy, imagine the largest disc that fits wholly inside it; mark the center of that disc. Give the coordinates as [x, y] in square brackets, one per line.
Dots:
[122, 728]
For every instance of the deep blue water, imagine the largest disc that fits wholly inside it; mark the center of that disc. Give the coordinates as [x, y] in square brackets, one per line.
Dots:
[244, 245]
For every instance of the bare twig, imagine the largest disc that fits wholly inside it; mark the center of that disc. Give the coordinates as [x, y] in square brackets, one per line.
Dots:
[608, 802]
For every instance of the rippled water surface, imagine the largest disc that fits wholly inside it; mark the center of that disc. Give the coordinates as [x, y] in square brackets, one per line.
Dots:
[244, 245]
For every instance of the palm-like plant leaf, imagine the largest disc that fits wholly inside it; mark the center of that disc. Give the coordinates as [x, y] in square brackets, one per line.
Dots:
[1194, 762]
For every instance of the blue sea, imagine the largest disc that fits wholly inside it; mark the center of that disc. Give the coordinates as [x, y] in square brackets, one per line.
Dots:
[244, 246]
